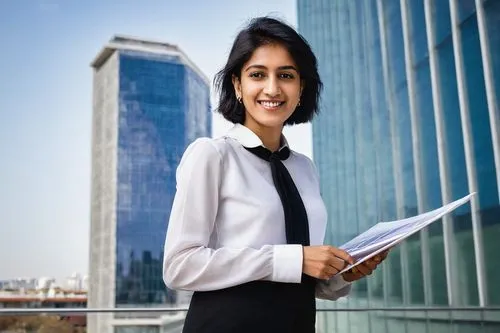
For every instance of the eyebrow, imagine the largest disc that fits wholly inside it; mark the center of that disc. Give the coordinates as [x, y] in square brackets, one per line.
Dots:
[281, 68]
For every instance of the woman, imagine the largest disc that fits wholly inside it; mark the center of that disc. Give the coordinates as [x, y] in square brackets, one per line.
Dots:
[247, 224]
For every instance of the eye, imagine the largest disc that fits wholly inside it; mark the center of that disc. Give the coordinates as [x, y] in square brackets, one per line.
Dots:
[257, 75]
[287, 76]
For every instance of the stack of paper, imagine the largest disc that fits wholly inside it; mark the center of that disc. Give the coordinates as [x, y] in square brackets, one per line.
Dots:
[385, 235]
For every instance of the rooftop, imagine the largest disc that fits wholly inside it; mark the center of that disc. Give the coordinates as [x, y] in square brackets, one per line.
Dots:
[129, 43]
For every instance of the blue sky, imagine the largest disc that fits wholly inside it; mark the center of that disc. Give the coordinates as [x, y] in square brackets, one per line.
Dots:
[45, 109]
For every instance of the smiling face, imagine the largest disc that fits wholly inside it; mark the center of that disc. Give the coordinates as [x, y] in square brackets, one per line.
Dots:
[269, 86]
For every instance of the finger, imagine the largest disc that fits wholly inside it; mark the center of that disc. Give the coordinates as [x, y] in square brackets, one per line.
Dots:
[384, 254]
[371, 264]
[337, 263]
[342, 255]
[326, 272]
[349, 276]
[329, 272]
[353, 274]
[363, 269]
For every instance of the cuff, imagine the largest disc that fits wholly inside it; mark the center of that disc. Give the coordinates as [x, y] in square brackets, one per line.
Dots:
[287, 263]
[337, 282]
[333, 289]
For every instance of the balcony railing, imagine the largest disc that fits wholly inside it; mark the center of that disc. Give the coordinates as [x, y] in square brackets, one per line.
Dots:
[170, 320]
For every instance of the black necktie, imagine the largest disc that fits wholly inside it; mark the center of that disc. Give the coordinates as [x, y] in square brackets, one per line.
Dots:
[296, 223]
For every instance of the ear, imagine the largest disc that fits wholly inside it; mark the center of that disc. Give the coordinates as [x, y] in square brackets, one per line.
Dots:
[302, 85]
[237, 86]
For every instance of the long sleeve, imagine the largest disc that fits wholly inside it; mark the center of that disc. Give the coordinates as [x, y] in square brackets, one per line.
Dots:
[189, 262]
[333, 289]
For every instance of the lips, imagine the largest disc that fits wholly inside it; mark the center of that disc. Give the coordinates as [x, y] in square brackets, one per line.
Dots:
[271, 105]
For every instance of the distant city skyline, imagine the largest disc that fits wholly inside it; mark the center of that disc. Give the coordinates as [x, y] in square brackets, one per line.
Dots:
[75, 281]
[46, 106]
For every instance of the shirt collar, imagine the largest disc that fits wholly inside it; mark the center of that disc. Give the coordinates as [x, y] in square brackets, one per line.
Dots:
[249, 139]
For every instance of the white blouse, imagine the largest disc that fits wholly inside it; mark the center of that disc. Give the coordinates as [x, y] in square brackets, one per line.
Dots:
[227, 223]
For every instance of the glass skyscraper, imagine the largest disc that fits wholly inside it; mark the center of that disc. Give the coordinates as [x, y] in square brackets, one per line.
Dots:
[150, 102]
[410, 121]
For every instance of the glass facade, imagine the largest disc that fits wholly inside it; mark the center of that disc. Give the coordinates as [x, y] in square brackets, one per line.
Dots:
[148, 106]
[163, 106]
[407, 124]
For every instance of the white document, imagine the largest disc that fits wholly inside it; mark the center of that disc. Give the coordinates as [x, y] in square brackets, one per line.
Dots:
[385, 235]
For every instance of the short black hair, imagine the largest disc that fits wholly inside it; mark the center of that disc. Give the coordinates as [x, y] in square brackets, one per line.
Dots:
[261, 31]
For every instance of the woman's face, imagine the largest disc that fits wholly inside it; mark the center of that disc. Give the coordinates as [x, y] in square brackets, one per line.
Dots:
[270, 87]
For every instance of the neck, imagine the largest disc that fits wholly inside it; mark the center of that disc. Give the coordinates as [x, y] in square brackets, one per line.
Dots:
[270, 136]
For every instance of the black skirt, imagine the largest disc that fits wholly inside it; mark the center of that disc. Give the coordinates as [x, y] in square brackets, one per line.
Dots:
[254, 307]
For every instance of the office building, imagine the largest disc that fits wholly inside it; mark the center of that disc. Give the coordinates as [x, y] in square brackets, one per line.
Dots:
[149, 102]
[410, 121]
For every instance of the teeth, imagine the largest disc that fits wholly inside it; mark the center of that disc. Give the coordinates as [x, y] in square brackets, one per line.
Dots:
[271, 104]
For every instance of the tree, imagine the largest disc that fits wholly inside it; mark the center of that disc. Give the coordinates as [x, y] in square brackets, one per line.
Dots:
[35, 324]
[6, 322]
[55, 325]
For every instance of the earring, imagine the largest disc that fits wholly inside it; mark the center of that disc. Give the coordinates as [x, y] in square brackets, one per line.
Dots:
[298, 103]
[239, 99]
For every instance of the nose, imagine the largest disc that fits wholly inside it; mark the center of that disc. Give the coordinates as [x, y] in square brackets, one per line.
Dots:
[272, 88]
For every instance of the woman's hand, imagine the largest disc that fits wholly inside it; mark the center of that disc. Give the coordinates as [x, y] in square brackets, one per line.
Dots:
[364, 269]
[323, 262]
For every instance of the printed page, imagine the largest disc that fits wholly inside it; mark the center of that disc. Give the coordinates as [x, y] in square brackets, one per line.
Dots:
[385, 235]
